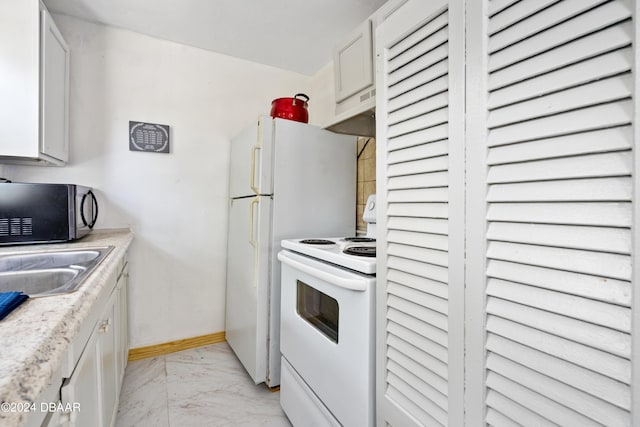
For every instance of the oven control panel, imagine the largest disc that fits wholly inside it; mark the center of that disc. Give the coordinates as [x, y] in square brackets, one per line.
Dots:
[369, 215]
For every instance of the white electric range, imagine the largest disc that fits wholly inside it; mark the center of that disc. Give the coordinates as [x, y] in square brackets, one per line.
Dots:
[327, 335]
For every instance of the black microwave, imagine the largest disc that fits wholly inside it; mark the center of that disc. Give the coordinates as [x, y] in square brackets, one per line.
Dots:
[45, 213]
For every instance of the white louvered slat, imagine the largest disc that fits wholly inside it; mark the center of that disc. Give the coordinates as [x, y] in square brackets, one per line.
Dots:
[419, 210]
[416, 80]
[422, 151]
[514, 411]
[516, 13]
[431, 31]
[602, 66]
[587, 166]
[497, 6]
[436, 194]
[422, 312]
[605, 239]
[427, 105]
[582, 120]
[433, 164]
[599, 213]
[612, 139]
[430, 256]
[581, 402]
[538, 403]
[399, 349]
[420, 225]
[570, 190]
[495, 418]
[419, 297]
[409, 340]
[605, 339]
[423, 180]
[578, 261]
[422, 284]
[424, 136]
[423, 409]
[586, 23]
[428, 58]
[429, 385]
[424, 329]
[586, 47]
[598, 92]
[432, 241]
[590, 382]
[588, 357]
[596, 312]
[432, 118]
[531, 24]
[597, 288]
[439, 85]
[438, 382]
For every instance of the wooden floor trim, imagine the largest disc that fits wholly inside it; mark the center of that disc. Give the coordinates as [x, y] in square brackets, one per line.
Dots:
[173, 346]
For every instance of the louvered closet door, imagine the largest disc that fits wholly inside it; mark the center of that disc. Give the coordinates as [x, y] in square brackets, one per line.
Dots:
[421, 215]
[554, 116]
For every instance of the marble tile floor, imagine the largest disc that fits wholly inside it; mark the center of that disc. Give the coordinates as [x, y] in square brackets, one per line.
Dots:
[205, 386]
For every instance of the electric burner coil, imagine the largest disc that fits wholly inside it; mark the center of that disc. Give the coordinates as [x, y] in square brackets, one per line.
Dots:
[365, 251]
[317, 242]
[359, 239]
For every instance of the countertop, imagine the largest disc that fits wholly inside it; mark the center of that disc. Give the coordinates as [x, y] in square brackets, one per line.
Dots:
[35, 336]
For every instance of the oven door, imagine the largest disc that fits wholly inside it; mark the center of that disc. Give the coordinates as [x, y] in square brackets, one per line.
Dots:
[327, 335]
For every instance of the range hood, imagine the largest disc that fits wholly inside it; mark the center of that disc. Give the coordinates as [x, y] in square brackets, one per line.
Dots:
[360, 124]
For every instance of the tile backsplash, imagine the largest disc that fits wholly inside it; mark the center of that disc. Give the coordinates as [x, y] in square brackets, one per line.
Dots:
[366, 182]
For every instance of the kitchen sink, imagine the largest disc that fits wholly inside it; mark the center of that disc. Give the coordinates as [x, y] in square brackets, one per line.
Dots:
[53, 259]
[49, 272]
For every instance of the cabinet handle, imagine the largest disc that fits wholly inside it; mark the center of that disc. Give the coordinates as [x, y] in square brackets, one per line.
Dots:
[104, 328]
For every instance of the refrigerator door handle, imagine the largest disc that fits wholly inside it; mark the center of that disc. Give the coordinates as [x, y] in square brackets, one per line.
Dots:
[252, 241]
[252, 178]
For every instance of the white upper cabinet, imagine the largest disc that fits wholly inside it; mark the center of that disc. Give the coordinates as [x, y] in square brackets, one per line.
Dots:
[34, 88]
[355, 74]
[353, 62]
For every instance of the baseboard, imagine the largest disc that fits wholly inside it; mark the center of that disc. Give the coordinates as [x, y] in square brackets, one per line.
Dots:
[173, 346]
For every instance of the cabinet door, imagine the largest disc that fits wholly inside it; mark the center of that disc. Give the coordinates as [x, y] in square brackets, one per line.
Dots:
[353, 63]
[420, 131]
[19, 81]
[55, 90]
[107, 329]
[83, 387]
[550, 162]
[122, 338]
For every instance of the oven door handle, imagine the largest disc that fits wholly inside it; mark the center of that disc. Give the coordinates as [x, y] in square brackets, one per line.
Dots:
[351, 284]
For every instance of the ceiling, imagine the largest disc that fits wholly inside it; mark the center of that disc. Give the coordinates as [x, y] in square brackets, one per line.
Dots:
[296, 35]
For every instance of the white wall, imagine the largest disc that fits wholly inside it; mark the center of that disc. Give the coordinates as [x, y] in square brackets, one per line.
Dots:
[175, 203]
[322, 107]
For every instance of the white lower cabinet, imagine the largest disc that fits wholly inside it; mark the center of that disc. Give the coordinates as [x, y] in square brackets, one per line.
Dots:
[92, 390]
[83, 388]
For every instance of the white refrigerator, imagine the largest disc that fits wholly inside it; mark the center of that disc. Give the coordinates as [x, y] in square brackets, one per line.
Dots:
[287, 180]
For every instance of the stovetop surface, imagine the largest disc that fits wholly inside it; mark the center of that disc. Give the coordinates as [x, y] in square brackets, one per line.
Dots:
[332, 250]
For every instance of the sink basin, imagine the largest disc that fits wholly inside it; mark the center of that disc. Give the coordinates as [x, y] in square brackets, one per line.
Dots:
[40, 260]
[38, 282]
[47, 273]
